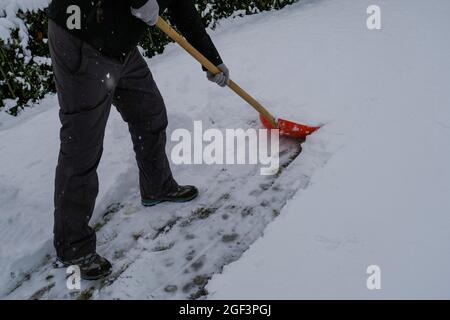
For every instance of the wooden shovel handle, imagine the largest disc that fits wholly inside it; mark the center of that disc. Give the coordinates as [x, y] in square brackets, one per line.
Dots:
[175, 36]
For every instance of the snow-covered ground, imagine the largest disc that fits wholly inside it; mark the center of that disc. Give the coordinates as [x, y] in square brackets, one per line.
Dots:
[384, 197]
[371, 187]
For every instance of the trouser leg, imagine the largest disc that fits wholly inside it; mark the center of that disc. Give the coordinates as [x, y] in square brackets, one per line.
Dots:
[85, 102]
[141, 105]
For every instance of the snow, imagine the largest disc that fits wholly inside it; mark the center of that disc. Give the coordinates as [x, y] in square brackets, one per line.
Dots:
[383, 197]
[370, 188]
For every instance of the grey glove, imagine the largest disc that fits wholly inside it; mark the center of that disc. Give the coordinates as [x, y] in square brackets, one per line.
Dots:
[222, 78]
[148, 13]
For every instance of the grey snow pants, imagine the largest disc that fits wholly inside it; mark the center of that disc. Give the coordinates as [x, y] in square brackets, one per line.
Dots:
[88, 83]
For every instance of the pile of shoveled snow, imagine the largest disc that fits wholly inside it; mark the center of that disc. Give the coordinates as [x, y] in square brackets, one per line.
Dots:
[384, 198]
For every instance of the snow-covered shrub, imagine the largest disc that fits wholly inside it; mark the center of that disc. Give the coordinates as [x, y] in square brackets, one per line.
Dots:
[25, 65]
[214, 10]
[25, 69]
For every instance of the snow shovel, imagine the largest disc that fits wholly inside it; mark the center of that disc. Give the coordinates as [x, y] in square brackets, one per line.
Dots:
[287, 128]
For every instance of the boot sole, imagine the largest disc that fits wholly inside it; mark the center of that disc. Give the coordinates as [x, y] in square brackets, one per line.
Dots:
[93, 278]
[152, 203]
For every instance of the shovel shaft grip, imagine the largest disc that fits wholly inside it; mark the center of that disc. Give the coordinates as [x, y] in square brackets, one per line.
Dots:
[175, 36]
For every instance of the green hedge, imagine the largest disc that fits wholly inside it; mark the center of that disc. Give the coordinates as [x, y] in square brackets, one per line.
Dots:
[25, 70]
[25, 73]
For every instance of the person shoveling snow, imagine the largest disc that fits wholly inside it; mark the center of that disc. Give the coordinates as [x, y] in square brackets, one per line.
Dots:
[96, 63]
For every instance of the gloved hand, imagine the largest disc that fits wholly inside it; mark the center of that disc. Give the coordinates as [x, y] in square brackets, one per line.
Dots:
[148, 13]
[222, 78]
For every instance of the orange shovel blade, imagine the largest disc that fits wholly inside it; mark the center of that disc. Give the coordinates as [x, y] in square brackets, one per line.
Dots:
[289, 128]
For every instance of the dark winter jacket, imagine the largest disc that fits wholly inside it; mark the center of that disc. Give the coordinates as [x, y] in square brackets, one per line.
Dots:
[109, 26]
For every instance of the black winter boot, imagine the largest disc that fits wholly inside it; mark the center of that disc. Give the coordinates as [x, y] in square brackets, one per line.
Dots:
[92, 267]
[178, 194]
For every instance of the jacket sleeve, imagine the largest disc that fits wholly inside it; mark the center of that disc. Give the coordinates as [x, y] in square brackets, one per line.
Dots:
[188, 21]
